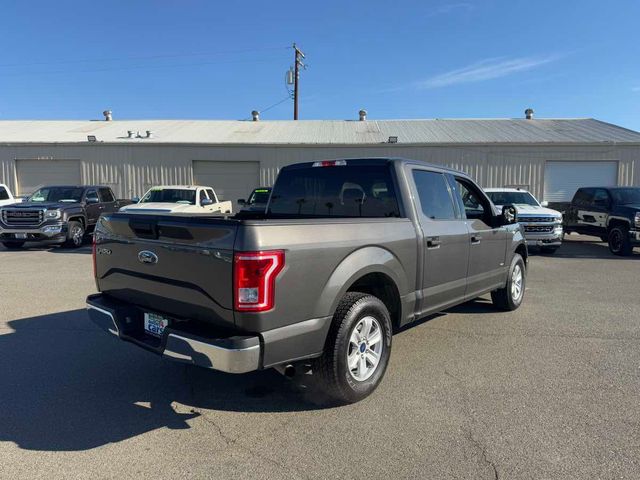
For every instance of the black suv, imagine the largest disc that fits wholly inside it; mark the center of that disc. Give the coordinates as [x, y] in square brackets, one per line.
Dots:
[611, 213]
[56, 214]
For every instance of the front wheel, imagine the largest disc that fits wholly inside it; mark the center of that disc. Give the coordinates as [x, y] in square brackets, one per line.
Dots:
[510, 297]
[75, 235]
[619, 241]
[357, 349]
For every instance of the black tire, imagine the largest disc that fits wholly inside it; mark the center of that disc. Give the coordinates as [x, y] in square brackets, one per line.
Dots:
[75, 235]
[549, 250]
[506, 298]
[13, 245]
[619, 241]
[332, 368]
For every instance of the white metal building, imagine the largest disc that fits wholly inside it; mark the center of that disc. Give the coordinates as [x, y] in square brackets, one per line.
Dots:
[551, 157]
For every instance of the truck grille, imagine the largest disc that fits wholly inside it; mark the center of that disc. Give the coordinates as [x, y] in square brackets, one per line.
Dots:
[534, 219]
[538, 228]
[22, 217]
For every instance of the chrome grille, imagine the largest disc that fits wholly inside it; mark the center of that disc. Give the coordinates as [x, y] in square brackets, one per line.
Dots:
[538, 228]
[22, 217]
[524, 219]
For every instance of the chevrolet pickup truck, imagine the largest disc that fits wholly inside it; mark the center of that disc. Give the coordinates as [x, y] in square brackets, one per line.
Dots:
[345, 252]
[181, 199]
[56, 215]
[542, 225]
[611, 213]
[6, 197]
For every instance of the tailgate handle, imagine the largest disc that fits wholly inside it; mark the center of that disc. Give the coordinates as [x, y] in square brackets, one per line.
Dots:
[144, 229]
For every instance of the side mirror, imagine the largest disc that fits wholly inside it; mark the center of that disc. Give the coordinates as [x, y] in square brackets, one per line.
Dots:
[242, 201]
[135, 199]
[206, 202]
[92, 200]
[545, 204]
[509, 215]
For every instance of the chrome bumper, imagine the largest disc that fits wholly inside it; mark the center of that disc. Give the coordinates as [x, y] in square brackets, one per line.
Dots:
[543, 239]
[35, 234]
[231, 355]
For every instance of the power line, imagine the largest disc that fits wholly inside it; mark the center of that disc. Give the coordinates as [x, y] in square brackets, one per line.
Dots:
[279, 102]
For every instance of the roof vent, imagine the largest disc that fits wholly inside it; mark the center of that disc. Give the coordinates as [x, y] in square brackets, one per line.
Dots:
[528, 113]
[149, 134]
[255, 115]
[107, 115]
[363, 115]
[131, 134]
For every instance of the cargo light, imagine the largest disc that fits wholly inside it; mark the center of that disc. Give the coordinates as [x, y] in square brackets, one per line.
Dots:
[254, 279]
[330, 163]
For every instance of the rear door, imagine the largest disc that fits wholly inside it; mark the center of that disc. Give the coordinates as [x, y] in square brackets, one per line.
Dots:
[487, 244]
[107, 199]
[445, 241]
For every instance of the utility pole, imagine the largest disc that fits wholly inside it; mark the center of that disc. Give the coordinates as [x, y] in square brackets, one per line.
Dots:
[296, 78]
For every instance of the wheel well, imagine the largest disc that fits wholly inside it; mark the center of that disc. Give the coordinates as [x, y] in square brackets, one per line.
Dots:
[78, 219]
[617, 223]
[522, 250]
[381, 286]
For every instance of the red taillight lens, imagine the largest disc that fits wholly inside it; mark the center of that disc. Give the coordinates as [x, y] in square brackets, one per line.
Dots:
[254, 279]
[93, 255]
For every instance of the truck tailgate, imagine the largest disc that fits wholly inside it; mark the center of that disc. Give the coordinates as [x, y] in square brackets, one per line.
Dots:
[173, 265]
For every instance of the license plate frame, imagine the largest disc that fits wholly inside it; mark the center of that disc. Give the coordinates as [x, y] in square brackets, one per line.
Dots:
[20, 236]
[155, 324]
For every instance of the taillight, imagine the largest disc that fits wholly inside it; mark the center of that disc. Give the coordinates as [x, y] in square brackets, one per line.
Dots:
[254, 279]
[93, 255]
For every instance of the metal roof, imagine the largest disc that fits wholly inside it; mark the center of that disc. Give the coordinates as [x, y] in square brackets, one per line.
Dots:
[320, 132]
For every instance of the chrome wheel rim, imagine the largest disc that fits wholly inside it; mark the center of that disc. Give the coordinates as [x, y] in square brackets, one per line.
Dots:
[365, 348]
[76, 235]
[516, 283]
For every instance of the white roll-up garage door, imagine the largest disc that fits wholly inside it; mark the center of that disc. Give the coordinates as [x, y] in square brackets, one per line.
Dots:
[562, 179]
[33, 174]
[230, 180]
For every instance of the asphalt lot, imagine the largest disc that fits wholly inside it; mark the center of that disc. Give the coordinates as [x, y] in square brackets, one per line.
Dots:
[549, 391]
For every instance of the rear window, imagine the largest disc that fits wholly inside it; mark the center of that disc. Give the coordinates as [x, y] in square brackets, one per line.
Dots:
[335, 191]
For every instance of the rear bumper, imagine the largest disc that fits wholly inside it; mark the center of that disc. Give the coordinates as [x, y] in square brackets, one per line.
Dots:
[234, 354]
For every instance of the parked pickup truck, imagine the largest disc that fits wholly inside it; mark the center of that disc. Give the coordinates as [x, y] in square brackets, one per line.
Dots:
[611, 213]
[542, 225]
[257, 201]
[56, 214]
[346, 251]
[6, 197]
[171, 199]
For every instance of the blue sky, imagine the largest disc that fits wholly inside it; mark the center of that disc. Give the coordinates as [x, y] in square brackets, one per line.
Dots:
[403, 59]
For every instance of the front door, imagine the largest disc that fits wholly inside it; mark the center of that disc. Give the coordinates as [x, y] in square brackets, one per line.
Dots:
[487, 244]
[93, 207]
[445, 245]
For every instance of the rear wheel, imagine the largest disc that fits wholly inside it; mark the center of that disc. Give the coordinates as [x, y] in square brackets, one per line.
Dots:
[357, 350]
[510, 297]
[13, 245]
[619, 241]
[75, 235]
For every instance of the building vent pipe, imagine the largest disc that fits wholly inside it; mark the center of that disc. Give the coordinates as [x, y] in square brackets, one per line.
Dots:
[363, 115]
[107, 115]
[528, 113]
[131, 134]
[149, 134]
[255, 115]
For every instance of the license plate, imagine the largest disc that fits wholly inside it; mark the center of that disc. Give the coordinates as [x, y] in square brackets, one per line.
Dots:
[20, 235]
[155, 324]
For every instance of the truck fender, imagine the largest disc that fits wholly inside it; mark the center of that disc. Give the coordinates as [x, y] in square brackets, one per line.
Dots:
[617, 219]
[353, 267]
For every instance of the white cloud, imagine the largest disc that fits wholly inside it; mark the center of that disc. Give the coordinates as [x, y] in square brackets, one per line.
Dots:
[487, 69]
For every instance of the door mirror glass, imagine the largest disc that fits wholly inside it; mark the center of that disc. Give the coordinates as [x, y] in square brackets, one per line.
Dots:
[206, 202]
[509, 215]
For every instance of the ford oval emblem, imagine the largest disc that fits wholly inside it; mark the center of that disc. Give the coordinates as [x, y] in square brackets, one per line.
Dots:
[146, 256]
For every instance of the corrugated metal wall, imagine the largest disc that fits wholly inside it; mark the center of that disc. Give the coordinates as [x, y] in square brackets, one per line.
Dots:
[131, 169]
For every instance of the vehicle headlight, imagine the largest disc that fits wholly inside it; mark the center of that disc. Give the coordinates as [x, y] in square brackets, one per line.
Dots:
[558, 218]
[637, 219]
[51, 214]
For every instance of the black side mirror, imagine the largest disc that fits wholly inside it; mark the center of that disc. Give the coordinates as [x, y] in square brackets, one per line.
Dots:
[242, 201]
[509, 215]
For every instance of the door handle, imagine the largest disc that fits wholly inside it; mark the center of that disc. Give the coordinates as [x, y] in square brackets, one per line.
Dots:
[475, 239]
[433, 242]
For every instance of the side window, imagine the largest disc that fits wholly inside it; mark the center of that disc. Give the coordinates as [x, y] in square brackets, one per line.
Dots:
[600, 198]
[584, 196]
[4, 195]
[106, 196]
[435, 198]
[474, 204]
[212, 195]
[202, 196]
[93, 195]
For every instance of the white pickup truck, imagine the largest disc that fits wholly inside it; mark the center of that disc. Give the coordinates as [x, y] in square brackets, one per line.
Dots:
[178, 199]
[6, 198]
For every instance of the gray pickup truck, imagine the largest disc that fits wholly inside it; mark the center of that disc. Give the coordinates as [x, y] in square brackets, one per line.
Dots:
[345, 252]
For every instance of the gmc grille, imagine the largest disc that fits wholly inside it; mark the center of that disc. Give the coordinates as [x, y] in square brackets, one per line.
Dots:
[22, 217]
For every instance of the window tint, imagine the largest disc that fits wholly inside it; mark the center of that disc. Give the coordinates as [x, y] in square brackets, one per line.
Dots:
[106, 195]
[170, 195]
[92, 194]
[4, 195]
[626, 196]
[212, 195]
[435, 198]
[600, 197]
[474, 205]
[583, 196]
[334, 191]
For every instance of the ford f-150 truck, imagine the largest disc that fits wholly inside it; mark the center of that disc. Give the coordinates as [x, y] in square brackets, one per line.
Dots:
[611, 213]
[346, 251]
[56, 214]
